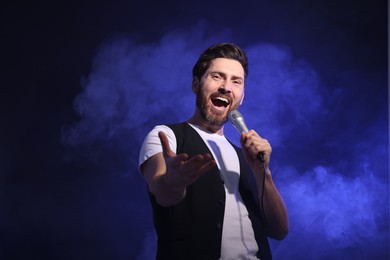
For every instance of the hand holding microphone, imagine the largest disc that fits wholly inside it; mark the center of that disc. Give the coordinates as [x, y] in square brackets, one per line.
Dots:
[237, 120]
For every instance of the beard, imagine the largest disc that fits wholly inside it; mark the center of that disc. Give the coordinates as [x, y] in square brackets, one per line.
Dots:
[205, 111]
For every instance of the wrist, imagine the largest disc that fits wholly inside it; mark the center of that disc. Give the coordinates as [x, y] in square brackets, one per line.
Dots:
[260, 171]
[169, 194]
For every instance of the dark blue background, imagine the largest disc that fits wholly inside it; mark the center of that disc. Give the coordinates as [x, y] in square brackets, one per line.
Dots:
[83, 82]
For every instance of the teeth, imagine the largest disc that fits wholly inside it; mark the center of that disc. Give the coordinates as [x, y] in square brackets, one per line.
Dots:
[223, 99]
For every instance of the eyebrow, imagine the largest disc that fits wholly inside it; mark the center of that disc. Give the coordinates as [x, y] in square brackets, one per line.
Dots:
[224, 75]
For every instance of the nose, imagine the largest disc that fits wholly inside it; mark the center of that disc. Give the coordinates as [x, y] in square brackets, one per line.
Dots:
[225, 88]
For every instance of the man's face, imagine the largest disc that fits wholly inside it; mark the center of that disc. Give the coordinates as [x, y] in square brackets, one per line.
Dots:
[220, 90]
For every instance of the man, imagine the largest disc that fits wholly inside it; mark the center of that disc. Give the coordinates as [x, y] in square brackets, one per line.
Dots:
[199, 183]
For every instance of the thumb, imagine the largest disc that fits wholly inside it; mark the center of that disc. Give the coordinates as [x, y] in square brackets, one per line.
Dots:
[165, 145]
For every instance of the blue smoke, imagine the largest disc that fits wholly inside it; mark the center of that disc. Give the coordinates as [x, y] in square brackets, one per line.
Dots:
[330, 159]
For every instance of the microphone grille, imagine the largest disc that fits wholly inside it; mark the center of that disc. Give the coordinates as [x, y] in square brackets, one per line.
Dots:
[233, 115]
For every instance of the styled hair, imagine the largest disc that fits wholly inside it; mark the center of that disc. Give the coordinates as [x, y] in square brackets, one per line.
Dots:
[222, 50]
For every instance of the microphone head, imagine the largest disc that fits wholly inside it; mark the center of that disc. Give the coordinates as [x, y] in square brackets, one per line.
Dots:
[237, 120]
[233, 115]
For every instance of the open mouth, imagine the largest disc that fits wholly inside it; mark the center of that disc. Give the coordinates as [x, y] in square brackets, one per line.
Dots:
[220, 101]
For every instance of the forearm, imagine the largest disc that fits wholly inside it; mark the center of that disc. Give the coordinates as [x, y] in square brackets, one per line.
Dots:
[272, 207]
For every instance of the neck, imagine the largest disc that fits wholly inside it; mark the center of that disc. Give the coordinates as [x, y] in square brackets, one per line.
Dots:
[197, 120]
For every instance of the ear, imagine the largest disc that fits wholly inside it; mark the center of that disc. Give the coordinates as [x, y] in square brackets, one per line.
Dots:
[195, 84]
[242, 98]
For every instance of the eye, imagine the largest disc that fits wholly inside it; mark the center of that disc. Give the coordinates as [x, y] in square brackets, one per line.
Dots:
[216, 76]
[237, 82]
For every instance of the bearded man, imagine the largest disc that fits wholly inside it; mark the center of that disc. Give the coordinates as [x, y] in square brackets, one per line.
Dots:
[199, 182]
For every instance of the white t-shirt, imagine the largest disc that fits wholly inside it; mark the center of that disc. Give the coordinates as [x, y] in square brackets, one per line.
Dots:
[238, 239]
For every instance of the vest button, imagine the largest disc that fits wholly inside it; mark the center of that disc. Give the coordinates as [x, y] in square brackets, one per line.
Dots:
[221, 202]
[219, 225]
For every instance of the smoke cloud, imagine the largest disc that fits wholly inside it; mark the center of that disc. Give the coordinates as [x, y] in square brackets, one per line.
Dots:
[330, 168]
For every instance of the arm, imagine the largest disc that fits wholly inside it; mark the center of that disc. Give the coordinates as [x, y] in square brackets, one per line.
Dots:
[275, 212]
[168, 174]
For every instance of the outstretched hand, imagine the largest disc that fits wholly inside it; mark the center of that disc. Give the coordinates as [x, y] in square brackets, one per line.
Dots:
[181, 170]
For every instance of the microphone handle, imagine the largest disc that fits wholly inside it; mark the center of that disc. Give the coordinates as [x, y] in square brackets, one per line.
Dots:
[260, 156]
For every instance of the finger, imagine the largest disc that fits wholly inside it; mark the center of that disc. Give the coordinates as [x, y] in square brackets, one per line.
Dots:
[242, 139]
[200, 164]
[205, 167]
[249, 141]
[200, 158]
[253, 133]
[253, 144]
[179, 159]
[165, 144]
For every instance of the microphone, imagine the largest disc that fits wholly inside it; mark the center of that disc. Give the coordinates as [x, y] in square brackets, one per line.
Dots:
[237, 120]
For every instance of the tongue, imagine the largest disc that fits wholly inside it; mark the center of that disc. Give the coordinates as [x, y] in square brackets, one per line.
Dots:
[219, 103]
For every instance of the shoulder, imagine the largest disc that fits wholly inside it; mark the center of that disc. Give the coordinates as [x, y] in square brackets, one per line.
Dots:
[152, 144]
[179, 127]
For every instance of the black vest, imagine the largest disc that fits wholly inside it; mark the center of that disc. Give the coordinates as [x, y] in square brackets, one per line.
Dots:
[192, 229]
